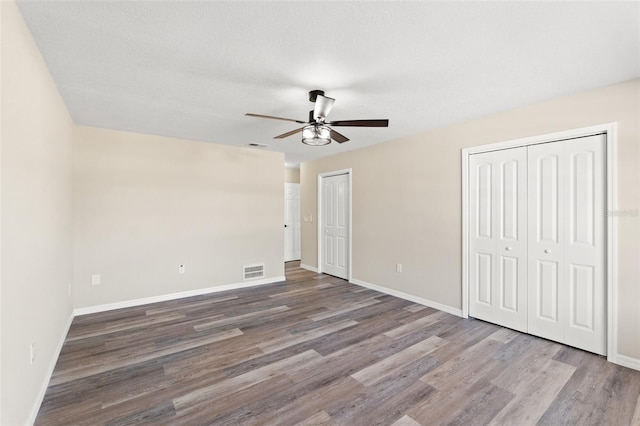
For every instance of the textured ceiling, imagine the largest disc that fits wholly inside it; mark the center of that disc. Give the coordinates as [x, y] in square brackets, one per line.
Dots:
[192, 69]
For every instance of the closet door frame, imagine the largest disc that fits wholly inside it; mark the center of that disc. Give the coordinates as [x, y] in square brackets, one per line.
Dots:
[610, 131]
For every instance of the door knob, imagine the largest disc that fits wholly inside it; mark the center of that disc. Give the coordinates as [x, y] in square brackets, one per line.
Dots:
[507, 248]
[286, 226]
[547, 251]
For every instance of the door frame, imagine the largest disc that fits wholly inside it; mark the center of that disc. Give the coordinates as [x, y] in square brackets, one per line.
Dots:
[611, 257]
[349, 173]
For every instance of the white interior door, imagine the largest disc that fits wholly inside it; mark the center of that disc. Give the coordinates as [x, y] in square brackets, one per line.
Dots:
[334, 226]
[291, 221]
[498, 232]
[567, 242]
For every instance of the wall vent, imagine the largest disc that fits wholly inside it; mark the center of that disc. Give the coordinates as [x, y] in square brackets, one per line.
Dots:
[252, 272]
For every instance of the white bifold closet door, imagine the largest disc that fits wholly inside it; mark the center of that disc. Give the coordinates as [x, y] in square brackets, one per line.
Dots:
[567, 242]
[537, 240]
[498, 234]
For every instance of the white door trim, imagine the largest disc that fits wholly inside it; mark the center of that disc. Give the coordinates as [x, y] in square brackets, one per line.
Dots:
[610, 129]
[349, 173]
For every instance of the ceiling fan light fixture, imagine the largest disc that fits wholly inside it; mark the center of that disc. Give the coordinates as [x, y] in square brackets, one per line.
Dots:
[316, 135]
[317, 131]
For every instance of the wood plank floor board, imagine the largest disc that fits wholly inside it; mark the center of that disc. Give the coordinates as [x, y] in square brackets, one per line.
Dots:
[321, 418]
[345, 309]
[416, 307]
[387, 304]
[193, 306]
[597, 393]
[154, 415]
[265, 410]
[289, 340]
[262, 360]
[386, 401]
[406, 421]
[234, 404]
[303, 407]
[482, 406]
[463, 366]
[352, 337]
[391, 366]
[462, 336]
[124, 325]
[101, 318]
[316, 350]
[417, 336]
[208, 394]
[415, 325]
[315, 379]
[111, 387]
[530, 365]
[534, 394]
[340, 363]
[291, 321]
[635, 420]
[136, 355]
[518, 346]
[453, 396]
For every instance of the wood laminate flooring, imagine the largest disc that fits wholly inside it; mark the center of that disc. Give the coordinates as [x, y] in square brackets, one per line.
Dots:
[316, 350]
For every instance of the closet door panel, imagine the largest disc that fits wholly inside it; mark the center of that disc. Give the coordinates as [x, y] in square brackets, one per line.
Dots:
[547, 291]
[497, 290]
[482, 236]
[584, 268]
[511, 248]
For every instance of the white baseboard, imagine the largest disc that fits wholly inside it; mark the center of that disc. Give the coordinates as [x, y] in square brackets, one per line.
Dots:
[309, 268]
[410, 297]
[52, 365]
[173, 296]
[626, 361]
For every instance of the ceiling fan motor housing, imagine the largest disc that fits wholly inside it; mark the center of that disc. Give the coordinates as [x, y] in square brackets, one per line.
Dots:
[313, 95]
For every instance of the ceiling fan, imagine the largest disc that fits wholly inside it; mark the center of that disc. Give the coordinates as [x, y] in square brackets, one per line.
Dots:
[317, 131]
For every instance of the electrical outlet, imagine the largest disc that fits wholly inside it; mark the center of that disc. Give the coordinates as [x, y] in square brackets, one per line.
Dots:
[32, 352]
[95, 279]
[398, 267]
[181, 269]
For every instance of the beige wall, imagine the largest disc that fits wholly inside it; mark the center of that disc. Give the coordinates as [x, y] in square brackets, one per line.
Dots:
[407, 198]
[291, 175]
[144, 204]
[35, 216]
